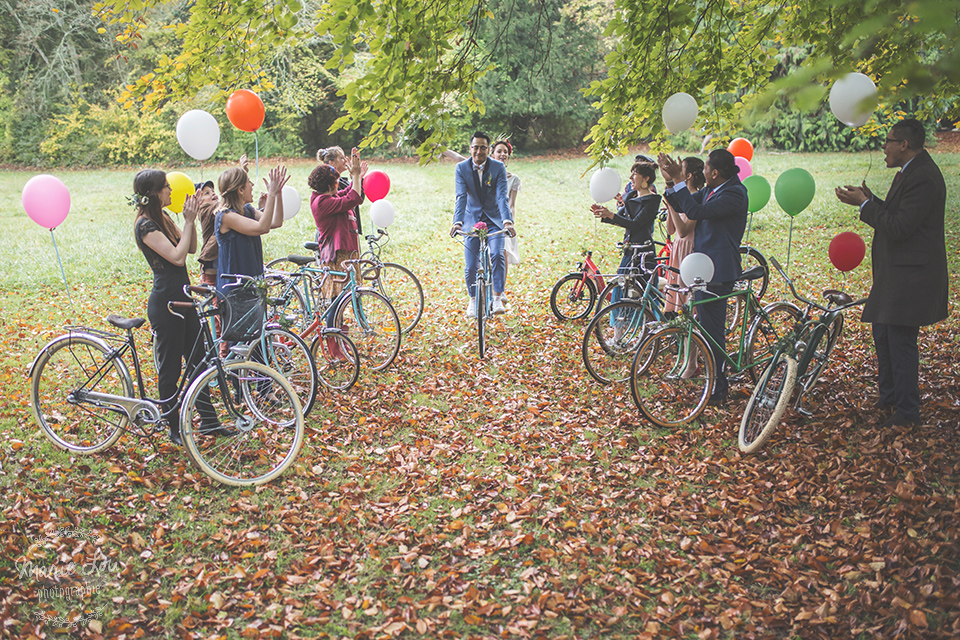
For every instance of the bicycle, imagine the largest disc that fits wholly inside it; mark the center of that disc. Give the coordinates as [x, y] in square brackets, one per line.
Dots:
[751, 257]
[574, 295]
[802, 355]
[241, 422]
[613, 334]
[672, 373]
[484, 284]
[294, 299]
[395, 282]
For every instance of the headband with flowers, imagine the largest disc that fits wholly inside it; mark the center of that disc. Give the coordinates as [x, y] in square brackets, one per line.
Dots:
[138, 200]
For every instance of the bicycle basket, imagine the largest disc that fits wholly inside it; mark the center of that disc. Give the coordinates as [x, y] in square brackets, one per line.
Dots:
[244, 311]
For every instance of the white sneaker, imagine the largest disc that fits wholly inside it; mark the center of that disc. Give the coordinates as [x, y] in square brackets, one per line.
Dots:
[472, 308]
[498, 307]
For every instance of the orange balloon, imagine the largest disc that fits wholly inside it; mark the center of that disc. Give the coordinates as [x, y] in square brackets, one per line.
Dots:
[245, 110]
[741, 148]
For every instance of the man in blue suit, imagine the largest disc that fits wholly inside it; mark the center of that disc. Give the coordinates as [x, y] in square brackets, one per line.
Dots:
[481, 187]
[720, 209]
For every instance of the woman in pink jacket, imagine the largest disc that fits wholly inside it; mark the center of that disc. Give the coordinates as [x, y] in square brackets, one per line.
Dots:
[333, 213]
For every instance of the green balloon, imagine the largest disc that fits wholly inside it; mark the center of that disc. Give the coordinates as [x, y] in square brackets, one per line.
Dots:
[794, 190]
[758, 192]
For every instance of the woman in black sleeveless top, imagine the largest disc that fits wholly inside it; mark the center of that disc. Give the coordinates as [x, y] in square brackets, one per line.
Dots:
[165, 249]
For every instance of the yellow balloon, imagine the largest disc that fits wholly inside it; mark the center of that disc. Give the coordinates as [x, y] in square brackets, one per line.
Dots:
[180, 187]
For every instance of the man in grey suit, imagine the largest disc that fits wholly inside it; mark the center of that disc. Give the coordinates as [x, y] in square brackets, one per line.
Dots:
[909, 266]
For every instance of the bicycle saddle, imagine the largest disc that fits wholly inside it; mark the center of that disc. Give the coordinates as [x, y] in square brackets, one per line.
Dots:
[753, 273]
[311, 246]
[837, 298]
[125, 323]
[301, 260]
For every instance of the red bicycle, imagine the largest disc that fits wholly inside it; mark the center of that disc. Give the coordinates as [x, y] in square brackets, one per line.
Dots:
[575, 294]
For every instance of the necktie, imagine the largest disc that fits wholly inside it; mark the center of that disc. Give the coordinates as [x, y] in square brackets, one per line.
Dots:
[897, 177]
[709, 195]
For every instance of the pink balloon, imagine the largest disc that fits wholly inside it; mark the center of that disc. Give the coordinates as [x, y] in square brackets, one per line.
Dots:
[46, 200]
[745, 169]
[376, 186]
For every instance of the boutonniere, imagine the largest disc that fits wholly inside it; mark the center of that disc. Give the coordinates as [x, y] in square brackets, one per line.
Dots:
[488, 178]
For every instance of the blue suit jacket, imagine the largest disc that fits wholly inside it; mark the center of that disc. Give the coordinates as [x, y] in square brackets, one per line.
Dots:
[490, 204]
[721, 221]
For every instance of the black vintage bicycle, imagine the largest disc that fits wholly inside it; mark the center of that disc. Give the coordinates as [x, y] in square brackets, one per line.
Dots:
[241, 421]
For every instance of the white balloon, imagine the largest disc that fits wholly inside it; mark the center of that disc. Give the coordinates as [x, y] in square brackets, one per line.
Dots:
[198, 134]
[382, 213]
[696, 266]
[604, 184]
[847, 96]
[680, 112]
[291, 202]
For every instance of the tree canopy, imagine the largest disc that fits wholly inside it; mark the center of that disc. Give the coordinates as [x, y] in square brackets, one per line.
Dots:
[411, 65]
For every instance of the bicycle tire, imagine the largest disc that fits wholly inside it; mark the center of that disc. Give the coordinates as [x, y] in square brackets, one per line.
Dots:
[286, 305]
[571, 301]
[376, 334]
[751, 257]
[337, 360]
[767, 403]
[820, 352]
[664, 397]
[282, 264]
[403, 291]
[258, 433]
[289, 355]
[481, 290]
[765, 334]
[611, 339]
[61, 370]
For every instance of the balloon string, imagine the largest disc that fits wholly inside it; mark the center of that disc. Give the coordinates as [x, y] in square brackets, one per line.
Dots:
[789, 244]
[256, 153]
[62, 274]
[746, 239]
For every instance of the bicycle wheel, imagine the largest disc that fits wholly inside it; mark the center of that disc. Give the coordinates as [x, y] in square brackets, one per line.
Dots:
[282, 264]
[338, 364]
[820, 353]
[481, 290]
[252, 424]
[749, 258]
[611, 339]
[573, 296]
[767, 402]
[605, 297]
[285, 305]
[65, 372]
[369, 320]
[660, 389]
[766, 332]
[403, 291]
[290, 356]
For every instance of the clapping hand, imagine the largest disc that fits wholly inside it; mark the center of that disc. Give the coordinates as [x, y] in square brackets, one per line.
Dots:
[670, 168]
[277, 178]
[852, 195]
[600, 211]
[191, 206]
[244, 162]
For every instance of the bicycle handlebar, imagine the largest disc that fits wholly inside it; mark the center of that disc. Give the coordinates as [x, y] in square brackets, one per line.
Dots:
[843, 299]
[473, 234]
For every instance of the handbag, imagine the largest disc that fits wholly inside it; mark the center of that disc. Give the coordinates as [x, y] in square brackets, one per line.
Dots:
[511, 249]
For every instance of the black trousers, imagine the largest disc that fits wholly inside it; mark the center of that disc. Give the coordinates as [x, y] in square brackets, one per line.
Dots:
[177, 340]
[713, 318]
[898, 364]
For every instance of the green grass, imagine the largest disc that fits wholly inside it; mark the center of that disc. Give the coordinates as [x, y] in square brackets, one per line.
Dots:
[543, 469]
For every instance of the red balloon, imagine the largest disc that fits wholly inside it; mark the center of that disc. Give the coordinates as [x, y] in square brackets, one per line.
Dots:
[245, 110]
[741, 148]
[376, 186]
[847, 250]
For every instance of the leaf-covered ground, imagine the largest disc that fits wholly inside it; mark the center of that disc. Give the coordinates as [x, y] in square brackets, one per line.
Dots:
[512, 497]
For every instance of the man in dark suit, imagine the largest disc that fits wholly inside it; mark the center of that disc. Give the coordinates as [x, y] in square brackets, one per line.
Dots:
[909, 258]
[481, 192]
[720, 209]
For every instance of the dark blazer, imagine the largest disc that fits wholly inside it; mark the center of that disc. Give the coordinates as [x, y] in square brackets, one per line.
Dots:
[490, 203]
[721, 221]
[909, 251]
[636, 216]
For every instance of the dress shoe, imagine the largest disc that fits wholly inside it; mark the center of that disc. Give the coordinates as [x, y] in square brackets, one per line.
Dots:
[175, 436]
[717, 399]
[883, 406]
[472, 308]
[897, 420]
